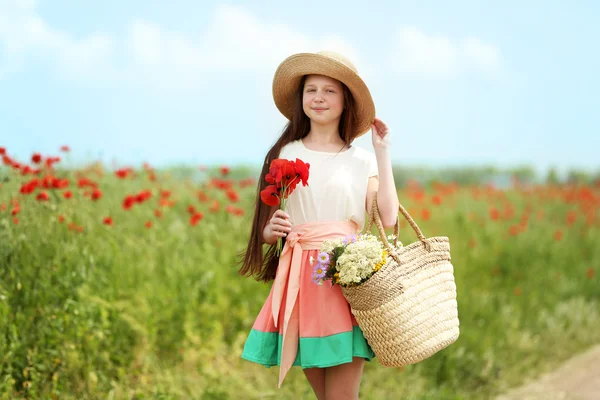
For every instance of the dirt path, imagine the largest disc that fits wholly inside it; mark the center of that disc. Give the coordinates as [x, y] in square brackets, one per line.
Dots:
[577, 379]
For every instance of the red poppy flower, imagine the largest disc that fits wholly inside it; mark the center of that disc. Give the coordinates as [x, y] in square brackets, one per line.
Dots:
[2, 151]
[191, 209]
[148, 224]
[65, 149]
[42, 196]
[61, 218]
[215, 206]
[96, 194]
[123, 173]
[302, 169]
[68, 194]
[270, 195]
[107, 221]
[233, 195]
[197, 217]
[202, 196]
[158, 213]
[128, 202]
[225, 171]
[36, 158]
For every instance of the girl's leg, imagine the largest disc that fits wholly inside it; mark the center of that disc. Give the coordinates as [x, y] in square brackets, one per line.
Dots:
[343, 381]
[316, 378]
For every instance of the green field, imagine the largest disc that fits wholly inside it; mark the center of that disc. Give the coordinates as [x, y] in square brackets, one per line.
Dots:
[151, 306]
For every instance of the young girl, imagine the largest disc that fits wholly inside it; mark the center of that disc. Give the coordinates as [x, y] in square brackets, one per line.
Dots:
[303, 324]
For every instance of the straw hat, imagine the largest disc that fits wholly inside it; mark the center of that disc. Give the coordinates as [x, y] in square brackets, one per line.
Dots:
[328, 63]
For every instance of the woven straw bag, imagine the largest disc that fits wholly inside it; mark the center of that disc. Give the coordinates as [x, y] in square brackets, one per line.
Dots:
[407, 310]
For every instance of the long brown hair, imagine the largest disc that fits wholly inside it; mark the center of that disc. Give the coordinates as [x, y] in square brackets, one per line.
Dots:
[252, 260]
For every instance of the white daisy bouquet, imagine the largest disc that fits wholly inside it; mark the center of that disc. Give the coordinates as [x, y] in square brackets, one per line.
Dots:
[351, 260]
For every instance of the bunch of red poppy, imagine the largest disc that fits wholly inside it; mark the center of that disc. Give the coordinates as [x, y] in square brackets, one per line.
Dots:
[283, 176]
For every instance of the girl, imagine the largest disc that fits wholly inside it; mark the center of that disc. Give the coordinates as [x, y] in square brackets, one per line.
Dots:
[328, 106]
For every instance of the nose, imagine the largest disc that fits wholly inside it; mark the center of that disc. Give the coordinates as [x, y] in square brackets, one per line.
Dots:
[319, 96]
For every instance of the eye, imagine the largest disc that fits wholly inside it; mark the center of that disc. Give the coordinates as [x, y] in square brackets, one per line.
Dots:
[310, 90]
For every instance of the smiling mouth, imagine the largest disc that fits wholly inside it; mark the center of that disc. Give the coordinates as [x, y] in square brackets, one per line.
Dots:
[319, 109]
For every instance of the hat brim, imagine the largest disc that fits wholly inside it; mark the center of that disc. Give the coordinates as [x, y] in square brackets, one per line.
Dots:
[290, 72]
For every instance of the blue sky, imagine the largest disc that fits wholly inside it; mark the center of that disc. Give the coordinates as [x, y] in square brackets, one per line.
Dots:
[459, 83]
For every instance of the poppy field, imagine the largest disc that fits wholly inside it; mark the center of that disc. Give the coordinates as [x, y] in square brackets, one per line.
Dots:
[122, 283]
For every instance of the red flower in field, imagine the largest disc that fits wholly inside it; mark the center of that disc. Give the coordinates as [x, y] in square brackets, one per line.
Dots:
[571, 217]
[30, 186]
[85, 182]
[61, 218]
[425, 214]
[2, 151]
[158, 213]
[246, 182]
[148, 224]
[57, 183]
[231, 209]
[494, 214]
[270, 195]
[222, 184]
[514, 230]
[36, 158]
[96, 194]
[202, 196]
[590, 273]
[197, 217]
[437, 200]
[26, 170]
[68, 194]
[225, 171]
[143, 196]
[71, 226]
[42, 196]
[191, 209]
[107, 221]
[165, 194]
[215, 206]
[233, 195]
[3, 206]
[16, 221]
[128, 202]
[52, 160]
[15, 210]
[123, 172]
[558, 235]
[65, 149]
[166, 203]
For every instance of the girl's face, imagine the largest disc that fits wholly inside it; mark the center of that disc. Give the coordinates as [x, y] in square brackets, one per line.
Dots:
[322, 99]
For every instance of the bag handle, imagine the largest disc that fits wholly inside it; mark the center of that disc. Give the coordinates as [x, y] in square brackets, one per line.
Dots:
[375, 217]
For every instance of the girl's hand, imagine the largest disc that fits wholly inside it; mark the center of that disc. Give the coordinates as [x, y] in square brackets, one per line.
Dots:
[382, 135]
[278, 226]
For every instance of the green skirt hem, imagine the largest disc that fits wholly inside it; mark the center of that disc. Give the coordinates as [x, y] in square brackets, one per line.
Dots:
[319, 352]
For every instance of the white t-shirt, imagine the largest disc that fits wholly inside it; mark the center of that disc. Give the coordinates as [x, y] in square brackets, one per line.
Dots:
[337, 184]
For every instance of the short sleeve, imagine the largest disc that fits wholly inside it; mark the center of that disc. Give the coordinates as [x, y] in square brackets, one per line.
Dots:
[373, 170]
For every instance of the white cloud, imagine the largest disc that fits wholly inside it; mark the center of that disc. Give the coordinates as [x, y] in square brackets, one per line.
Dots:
[234, 40]
[416, 53]
[25, 35]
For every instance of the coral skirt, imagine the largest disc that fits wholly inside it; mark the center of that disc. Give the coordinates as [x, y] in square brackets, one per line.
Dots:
[301, 323]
